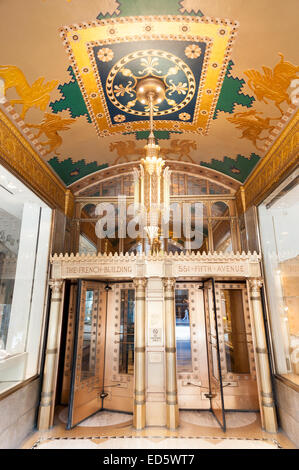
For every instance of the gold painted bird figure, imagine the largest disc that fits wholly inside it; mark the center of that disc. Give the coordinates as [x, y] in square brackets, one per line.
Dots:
[37, 95]
[274, 84]
[50, 126]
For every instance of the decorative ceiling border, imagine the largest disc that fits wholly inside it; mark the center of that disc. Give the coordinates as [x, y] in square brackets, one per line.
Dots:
[22, 126]
[285, 118]
[17, 154]
[77, 38]
[282, 156]
[125, 168]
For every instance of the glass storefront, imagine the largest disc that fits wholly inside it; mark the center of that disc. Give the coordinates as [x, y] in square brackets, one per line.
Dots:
[279, 231]
[25, 224]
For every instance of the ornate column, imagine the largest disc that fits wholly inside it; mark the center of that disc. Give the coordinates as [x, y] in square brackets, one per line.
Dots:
[172, 411]
[268, 411]
[139, 361]
[47, 403]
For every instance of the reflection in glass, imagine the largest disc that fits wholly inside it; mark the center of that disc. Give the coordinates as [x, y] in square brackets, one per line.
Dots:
[126, 337]
[88, 361]
[183, 334]
[278, 217]
[222, 240]
[236, 351]
[213, 334]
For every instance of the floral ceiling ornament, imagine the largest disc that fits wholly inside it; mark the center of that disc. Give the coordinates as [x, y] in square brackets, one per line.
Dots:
[119, 118]
[165, 40]
[193, 51]
[124, 76]
[105, 54]
[184, 116]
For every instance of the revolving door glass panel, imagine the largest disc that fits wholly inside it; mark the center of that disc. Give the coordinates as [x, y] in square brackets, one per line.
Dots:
[183, 332]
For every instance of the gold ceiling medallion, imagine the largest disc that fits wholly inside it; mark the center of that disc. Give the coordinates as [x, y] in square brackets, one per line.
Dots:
[149, 62]
[206, 45]
[35, 96]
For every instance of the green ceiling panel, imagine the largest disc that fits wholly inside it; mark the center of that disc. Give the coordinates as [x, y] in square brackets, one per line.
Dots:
[70, 171]
[231, 93]
[72, 99]
[238, 169]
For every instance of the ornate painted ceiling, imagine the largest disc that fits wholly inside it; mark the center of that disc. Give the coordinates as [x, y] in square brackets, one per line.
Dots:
[69, 70]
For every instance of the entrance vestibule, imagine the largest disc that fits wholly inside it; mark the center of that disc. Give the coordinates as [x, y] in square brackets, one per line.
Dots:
[156, 341]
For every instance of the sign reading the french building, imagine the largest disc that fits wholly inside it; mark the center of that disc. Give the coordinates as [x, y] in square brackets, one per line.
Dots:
[97, 267]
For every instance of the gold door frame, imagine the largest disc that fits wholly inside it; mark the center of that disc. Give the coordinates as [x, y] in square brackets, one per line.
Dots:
[240, 390]
[86, 387]
[118, 386]
[69, 344]
[193, 384]
[213, 353]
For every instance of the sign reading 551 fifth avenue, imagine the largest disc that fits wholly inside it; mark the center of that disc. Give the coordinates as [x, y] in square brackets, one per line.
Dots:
[116, 266]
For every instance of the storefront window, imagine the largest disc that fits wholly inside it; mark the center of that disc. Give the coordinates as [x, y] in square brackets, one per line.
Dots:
[279, 230]
[25, 223]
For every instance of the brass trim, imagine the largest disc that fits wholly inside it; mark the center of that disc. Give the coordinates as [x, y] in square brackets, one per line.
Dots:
[268, 405]
[261, 350]
[139, 402]
[168, 298]
[140, 350]
[19, 156]
[44, 405]
[141, 392]
[173, 394]
[18, 387]
[46, 394]
[267, 395]
[168, 402]
[56, 300]
[268, 173]
[170, 350]
[52, 351]
[256, 297]
[287, 382]
[140, 298]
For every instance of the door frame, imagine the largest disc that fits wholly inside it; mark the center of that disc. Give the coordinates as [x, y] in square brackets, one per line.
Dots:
[70, 424]
[209, 395]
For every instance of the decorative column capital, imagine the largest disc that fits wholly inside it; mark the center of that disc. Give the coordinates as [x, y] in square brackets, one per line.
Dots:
[140, 283]
[255, 285]
[169, 283]
[56, 285]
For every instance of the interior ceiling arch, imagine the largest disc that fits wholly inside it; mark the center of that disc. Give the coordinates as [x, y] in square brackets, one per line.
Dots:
[115, 171]
[230, 76]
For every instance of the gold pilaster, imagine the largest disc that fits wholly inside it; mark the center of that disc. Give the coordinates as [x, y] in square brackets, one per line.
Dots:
[172, 411]
[139, 361]
[47, 403]
[268, 412]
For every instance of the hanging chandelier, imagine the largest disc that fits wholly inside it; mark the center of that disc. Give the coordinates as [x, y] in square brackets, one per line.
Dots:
[151, 181]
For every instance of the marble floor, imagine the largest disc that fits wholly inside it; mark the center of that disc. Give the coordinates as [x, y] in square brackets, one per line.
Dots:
[197, 430]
